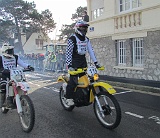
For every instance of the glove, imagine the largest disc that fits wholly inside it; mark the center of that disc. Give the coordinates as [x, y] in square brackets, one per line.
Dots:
[6, 71]
[97, 65]
[71, 69]
[31, 68]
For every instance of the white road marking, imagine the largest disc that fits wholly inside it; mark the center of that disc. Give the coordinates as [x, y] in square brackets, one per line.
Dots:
[122, 92]
[155, 118]
[55, 90]
[37, 85]
[31, 82]
[34, 84]
[43, 75]
[39, 81]
[46, 87]
[32, 76]
[135, 115]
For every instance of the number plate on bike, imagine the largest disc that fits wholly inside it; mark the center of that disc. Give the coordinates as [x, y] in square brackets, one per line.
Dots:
[17, 75]
[91, 70]
[16, 72]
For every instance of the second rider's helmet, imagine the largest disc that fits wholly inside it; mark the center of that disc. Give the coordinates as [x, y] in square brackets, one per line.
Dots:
[7, 50]
[81, 27]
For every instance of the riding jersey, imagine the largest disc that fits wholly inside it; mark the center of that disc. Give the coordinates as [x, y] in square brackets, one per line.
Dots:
[10, 63]
[77, 47]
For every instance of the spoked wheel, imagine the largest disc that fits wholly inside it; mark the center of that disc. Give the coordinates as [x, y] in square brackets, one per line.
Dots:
[110, 116]
[4, 110]
[27, 118]
[63, 100]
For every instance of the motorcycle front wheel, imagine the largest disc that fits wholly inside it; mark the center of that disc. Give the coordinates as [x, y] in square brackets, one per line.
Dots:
[110, 116]
[63, 100]
[27, 118]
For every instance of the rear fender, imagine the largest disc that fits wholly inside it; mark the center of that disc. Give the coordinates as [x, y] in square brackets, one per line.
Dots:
[63, 78]
[106, 86]
[60, 79]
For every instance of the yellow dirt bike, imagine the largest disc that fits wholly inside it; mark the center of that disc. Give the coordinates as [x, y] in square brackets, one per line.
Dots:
[89, 90]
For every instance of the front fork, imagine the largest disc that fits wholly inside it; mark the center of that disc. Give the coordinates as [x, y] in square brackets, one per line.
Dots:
[99, 106]
[97, 100]
[18, 102]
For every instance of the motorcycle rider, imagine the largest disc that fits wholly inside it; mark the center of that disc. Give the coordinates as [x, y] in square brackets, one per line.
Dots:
[77, 46]
[8, 60]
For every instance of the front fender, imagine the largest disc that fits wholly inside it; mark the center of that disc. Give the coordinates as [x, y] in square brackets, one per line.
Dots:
[23, 85]
[106, 86]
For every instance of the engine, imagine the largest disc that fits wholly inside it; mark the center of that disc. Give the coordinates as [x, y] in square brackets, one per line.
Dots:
[81, 97]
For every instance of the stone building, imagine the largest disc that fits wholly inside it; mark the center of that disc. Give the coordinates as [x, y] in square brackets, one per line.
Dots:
[125, 35]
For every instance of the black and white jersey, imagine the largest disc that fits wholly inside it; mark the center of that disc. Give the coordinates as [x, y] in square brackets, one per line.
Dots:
[10, 63]
[77, 47]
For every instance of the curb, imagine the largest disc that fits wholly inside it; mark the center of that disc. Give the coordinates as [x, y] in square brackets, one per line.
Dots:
[128, 85]
[134, 87]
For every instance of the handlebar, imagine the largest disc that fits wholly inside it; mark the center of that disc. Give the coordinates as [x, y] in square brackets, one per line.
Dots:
[101, 68]
[78, 71]
[81, 70]
[24, 70]
[27, 69]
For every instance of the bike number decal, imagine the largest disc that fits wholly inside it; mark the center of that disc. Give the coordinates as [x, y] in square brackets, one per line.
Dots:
[16, 72]
[82, 49]
[91, 71]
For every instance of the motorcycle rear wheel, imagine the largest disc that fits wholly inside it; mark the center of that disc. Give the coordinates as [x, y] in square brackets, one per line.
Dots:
[27, 118]
[111, 110]
[63, 100]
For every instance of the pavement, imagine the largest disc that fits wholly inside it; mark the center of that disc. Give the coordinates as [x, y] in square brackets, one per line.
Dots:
[134, 84]
[129, 83]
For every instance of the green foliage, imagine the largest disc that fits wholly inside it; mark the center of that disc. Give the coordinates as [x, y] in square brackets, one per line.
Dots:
[5, 29]
[24, 16]
[68, 30]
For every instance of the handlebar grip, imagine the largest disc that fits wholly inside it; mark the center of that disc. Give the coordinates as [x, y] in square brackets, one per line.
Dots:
[75, 72]
[25, 70]
[101, 68]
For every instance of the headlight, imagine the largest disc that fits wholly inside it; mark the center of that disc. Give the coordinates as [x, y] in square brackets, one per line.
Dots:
[18, 77]
[96, 77]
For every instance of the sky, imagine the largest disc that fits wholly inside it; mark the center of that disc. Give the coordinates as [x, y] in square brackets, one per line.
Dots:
[62, 11]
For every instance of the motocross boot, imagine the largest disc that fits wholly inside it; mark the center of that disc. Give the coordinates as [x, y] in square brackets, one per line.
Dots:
[10, 103]
[2, 99]
[70, 102]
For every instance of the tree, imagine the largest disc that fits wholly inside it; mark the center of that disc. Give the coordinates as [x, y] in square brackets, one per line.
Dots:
[68, 30]
[5, 30]
[25, 17]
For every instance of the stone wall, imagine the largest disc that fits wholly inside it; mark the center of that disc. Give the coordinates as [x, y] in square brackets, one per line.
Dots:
[106, 53]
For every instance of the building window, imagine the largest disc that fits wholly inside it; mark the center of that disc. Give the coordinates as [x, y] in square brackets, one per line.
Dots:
[138, 52]
[97, 12]
[121, 53]
[126, 5]
[39, 43]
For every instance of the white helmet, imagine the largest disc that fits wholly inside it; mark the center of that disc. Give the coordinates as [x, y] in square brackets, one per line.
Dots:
[7, 50]
[81, 27]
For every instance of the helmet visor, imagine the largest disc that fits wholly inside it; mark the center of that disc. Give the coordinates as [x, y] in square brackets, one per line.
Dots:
[10, 51]
[83, 29]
